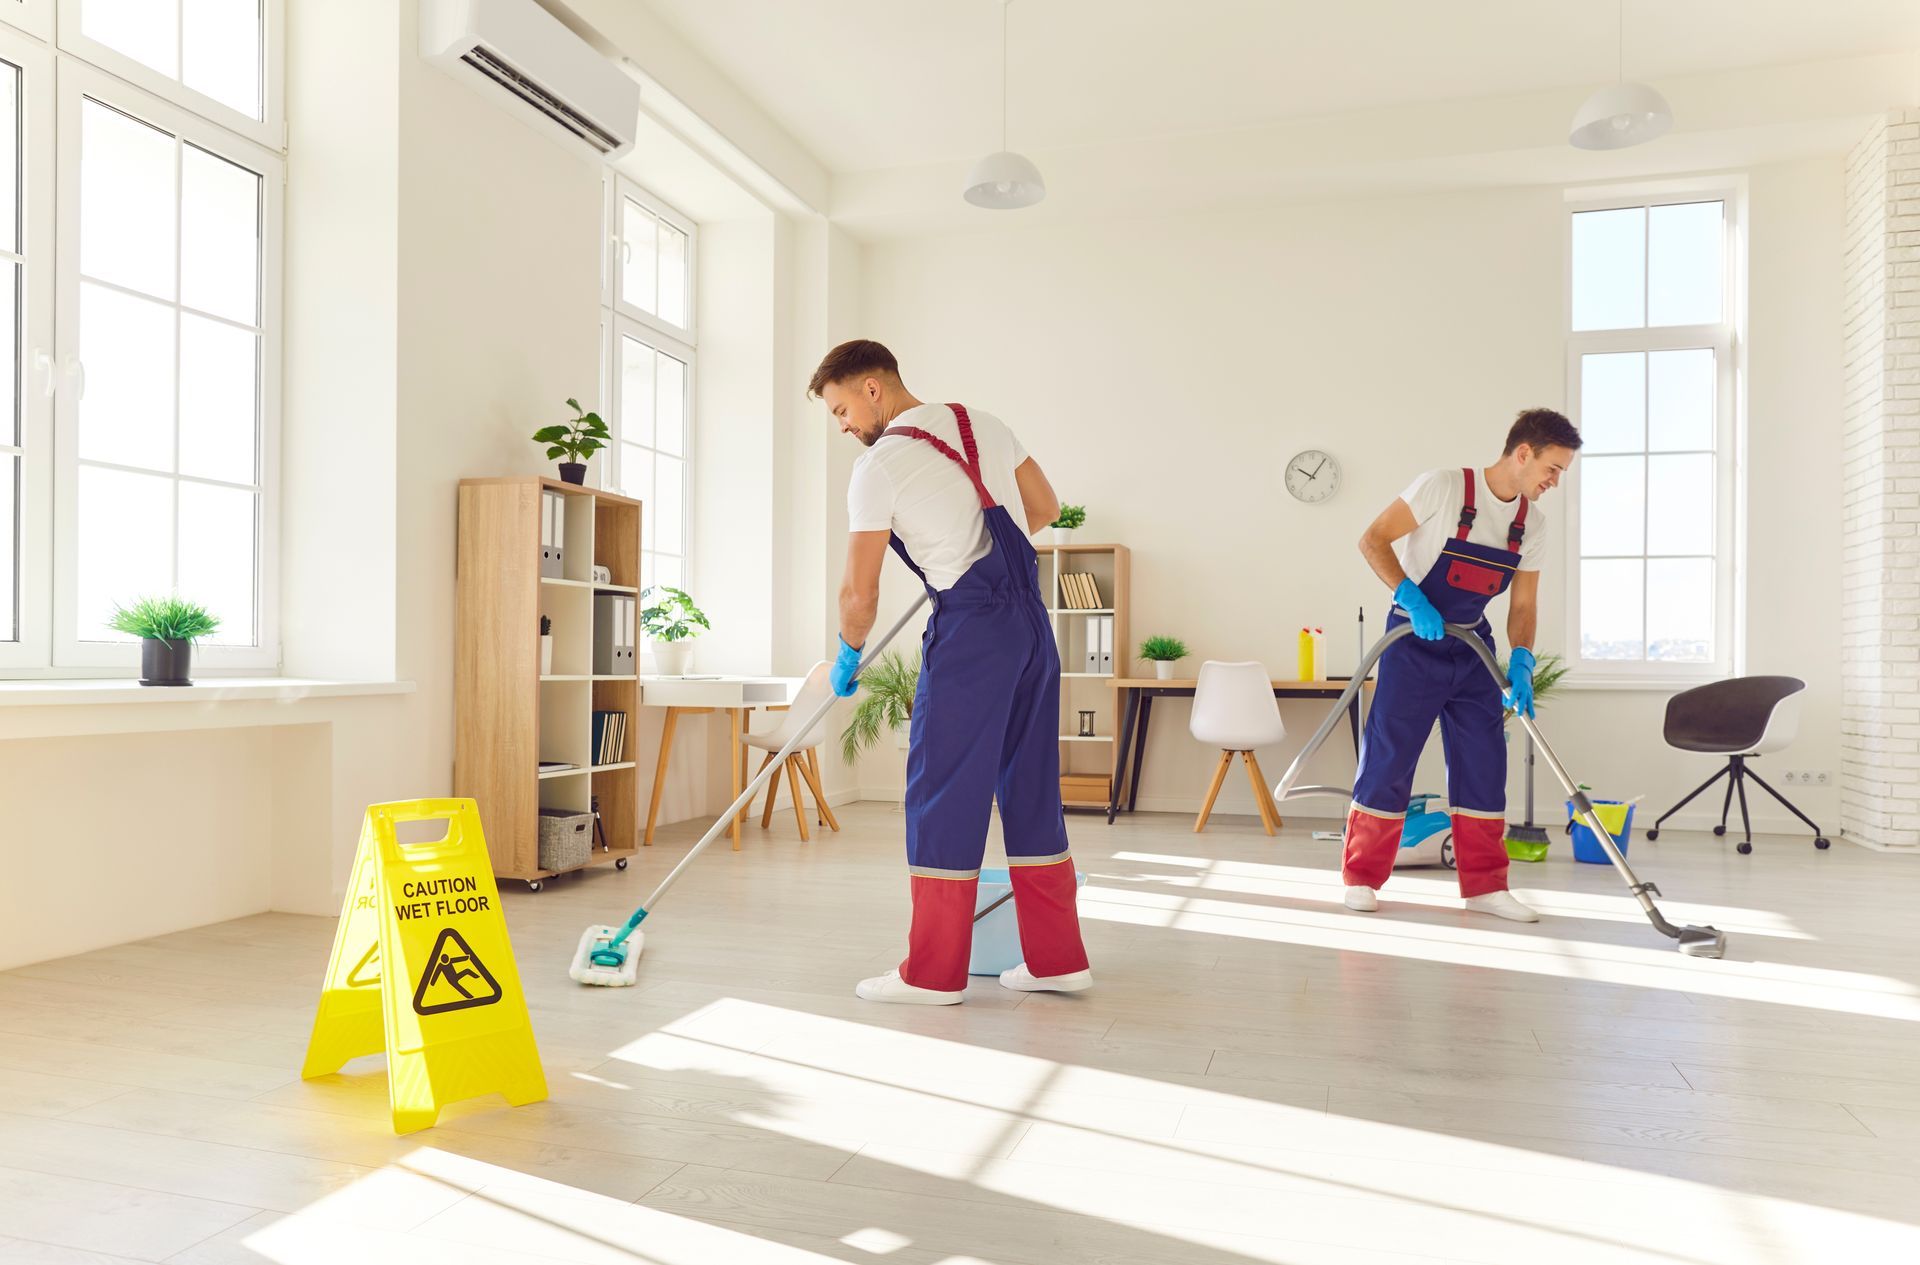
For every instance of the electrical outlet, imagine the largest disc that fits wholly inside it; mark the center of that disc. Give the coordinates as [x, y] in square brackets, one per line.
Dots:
[1790, 777]
[1821, 778]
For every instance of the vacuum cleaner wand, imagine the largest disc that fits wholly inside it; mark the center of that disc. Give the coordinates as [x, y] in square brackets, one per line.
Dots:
[1699, 942]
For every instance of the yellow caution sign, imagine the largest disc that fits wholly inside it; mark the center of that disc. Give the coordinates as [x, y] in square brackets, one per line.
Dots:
[421, 968]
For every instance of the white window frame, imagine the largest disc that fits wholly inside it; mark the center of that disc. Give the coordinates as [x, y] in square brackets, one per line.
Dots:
[76, 81]
[269, 130]
[33, 350]
[32, 16]
[1727, 341]
[621, 190]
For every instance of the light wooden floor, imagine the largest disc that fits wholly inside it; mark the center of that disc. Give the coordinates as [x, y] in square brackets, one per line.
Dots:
[1259, 1076]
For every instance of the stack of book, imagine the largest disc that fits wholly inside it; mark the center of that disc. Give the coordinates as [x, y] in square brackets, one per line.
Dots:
[609, 737]
[1080, 592]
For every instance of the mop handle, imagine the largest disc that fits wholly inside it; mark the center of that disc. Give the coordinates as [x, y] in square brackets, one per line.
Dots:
[772, 768]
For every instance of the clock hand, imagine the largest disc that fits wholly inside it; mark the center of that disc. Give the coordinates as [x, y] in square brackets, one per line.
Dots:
[1322, 466]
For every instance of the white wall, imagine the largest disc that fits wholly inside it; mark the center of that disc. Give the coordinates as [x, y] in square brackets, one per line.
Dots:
[1163, 370]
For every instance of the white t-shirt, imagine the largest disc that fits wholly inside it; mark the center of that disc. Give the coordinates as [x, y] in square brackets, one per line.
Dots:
[911, 488]
[1436, 497]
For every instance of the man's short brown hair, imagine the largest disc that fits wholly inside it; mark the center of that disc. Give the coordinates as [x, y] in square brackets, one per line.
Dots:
[861, 358]
[1541, 428]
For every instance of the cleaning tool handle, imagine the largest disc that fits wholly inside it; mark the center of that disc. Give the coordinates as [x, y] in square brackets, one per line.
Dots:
[774, 766]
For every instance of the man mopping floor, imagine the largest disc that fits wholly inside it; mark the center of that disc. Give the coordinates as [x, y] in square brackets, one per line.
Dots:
[935, 482]
[1468, 536]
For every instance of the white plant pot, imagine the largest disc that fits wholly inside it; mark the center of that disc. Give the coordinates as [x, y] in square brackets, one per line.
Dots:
[900, 736]
[546, 654]
[1163, 669]
[1063, 535]
[673, 658]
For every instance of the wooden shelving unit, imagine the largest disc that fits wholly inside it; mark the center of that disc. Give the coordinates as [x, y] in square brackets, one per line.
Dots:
[1087, 765]
[508, 717]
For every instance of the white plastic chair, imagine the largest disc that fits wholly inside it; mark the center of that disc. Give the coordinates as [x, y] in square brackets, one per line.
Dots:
[804, 764]
[1234, 709]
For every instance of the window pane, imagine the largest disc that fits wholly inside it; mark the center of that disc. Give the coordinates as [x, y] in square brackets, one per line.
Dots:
[1680, 400]
[646, 571]
[126, 412]
[673, 275]
[1609, 269]
[219, 368]
[1684, 264]
[10, 156]
[1610, 605]
[216, 557]
[669, 489]
[126, 201]
[672, 397]
[1613, 402]
[220, 51]
[146, 30]
[1680, 610]
[9, 354]
[636, 481]
[125, 547]
[636, 392]
[638, 257]
[670, 571]
[1680, 504]
[9, 548]
[1612, 505]
[219, 236]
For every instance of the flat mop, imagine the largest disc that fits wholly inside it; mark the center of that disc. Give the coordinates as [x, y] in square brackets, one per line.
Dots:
[1697, 942]
[610, 956]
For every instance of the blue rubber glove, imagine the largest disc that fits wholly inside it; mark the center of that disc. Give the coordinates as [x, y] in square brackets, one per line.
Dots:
[1427, 624]
[1519, 694]
[845, 664]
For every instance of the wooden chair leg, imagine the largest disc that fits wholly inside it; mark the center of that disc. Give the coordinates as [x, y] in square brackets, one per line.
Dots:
[660, 773]
[1259, 793]
[799, 803]
[812, 769]
[1265, 788]
[771, 783]
[1213, 792]
[773, 793]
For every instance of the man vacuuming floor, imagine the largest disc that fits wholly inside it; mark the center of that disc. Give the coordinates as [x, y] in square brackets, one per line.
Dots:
[1469, 536]
[935, 482]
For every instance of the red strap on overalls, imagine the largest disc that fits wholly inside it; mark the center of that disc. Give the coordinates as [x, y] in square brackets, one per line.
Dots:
[1515, 530]
[970, 463]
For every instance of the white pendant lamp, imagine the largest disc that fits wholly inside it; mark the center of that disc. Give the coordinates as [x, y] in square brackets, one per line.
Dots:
[1622, 113]
[1004, 181]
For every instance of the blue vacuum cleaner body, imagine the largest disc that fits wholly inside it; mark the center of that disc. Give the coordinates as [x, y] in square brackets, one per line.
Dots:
[1427, 836]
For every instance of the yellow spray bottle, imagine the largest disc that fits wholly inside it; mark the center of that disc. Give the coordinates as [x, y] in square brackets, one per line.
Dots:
[1306, 655]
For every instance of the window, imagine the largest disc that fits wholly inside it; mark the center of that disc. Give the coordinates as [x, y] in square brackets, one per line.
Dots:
[649, 354]
[140, 377]
[1652, 345]
[215, 57]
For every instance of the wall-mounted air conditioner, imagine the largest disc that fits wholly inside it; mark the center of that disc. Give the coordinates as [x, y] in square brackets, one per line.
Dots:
[518, 47]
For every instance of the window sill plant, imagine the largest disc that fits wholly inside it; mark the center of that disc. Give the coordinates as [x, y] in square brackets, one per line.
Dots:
[167, 628]
[576, 440]
[1163, 653]
[671, 622]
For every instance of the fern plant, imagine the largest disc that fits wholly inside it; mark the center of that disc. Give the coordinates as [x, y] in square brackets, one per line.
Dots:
[1163, 649]
[164, 619]
[887, 687]
[1546, 680]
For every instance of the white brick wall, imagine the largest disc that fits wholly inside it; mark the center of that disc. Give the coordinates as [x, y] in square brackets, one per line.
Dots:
[1880, 558]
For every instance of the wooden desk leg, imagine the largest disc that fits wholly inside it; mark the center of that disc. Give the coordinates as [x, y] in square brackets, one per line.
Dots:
[1132, 707]
[735, 748]
[660, 773]
[742, 756]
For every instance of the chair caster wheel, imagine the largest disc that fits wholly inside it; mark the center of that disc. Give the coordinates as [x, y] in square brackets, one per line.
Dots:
[1823, 844]
[1653, 834]
[534, 885]
[1743, 847]
[1718, 831]
[620, 863]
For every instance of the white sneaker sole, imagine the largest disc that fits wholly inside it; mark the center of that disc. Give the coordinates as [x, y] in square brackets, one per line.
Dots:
[1078, 982]
[907, 995]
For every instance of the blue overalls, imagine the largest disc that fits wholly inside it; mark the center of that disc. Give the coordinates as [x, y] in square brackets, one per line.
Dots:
[1421, 681]
[986, 722]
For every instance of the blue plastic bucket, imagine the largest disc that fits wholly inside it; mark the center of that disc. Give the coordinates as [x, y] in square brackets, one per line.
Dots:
[1586, 846]
[996, 938]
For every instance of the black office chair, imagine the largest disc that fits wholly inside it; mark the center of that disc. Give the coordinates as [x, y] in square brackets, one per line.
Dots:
[1746, 717]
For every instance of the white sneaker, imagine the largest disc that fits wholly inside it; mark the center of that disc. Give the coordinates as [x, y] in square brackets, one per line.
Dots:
[1502, 904]
[890, 987]
[1361, 899]
[1026, 981]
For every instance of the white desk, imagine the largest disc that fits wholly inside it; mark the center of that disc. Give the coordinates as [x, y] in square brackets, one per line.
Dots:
[702, 694]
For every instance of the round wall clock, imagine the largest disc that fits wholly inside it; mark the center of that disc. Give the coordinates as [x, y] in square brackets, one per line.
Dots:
[1313, 476]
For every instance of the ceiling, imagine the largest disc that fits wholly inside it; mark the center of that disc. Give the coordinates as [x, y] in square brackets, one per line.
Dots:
[870, 85]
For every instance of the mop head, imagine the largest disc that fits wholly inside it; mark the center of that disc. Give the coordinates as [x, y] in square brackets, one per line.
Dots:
[584, 970]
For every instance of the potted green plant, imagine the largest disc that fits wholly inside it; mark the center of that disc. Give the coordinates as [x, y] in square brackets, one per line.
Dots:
[671, 622]
[576, 440]
[546, 645]
[167, 628]
[1163, 653]
[887, 688]
[1071, 516]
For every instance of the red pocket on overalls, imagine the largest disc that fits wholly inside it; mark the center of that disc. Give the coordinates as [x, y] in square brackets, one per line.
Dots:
[1473, 577]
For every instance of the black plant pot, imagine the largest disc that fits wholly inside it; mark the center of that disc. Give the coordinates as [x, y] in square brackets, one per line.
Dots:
[165, 662]
[573, 472]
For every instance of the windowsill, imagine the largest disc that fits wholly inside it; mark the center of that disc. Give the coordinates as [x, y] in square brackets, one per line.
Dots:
[1639, 684]
[116, 690]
